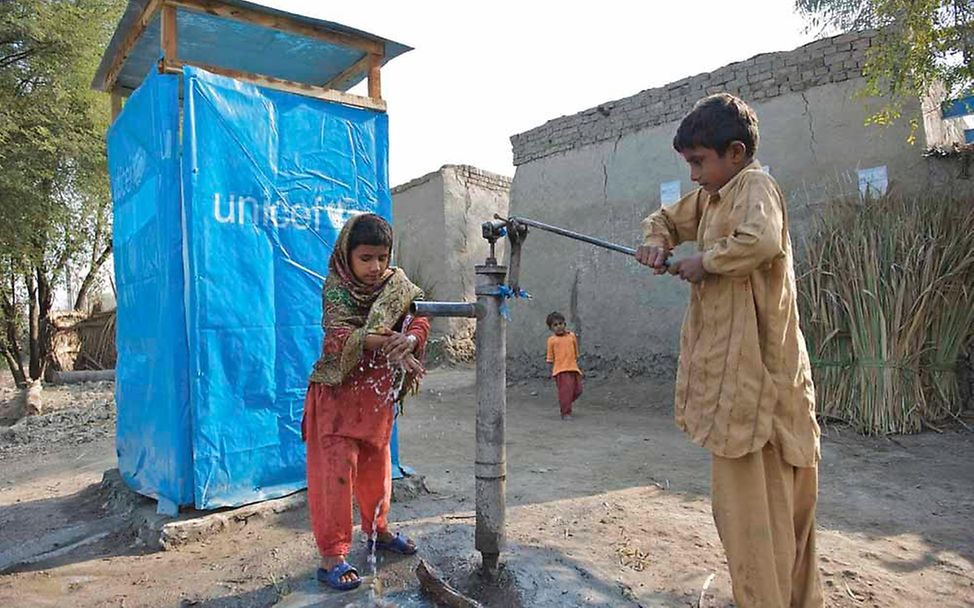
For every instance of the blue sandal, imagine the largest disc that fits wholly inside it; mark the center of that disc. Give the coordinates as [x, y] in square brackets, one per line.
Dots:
[333, 577]
[399, 544]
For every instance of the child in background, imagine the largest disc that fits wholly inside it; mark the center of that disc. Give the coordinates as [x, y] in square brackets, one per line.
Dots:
[563, 358]
[371, 357]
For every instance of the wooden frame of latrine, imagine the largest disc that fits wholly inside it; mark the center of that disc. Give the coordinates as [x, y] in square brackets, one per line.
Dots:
[371, 62]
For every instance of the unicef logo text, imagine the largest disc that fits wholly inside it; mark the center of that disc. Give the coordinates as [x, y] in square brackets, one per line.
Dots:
[248, 210]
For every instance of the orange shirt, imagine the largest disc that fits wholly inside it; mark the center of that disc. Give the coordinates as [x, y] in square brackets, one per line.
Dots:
[563, 353]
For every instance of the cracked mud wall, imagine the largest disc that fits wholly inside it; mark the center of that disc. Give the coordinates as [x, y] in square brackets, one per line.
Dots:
[418, 221]
[437, 219]
[471, 197]
[599, 172]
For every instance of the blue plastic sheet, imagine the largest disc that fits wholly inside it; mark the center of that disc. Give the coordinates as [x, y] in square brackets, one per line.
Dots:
[269, 180]
[152, 378]
[221, 247]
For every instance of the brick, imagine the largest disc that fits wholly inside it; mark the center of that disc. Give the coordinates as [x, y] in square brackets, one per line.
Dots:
[838, 60]
[815, 48]
[762, 77]
[722, 73]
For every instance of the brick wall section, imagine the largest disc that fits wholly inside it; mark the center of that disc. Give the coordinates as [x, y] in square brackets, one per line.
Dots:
[416, 181]
[758, 79]
[472, 176]
[469, 175]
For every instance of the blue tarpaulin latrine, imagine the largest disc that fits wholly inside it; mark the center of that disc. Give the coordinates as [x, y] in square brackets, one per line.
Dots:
[222, 240]
[228, 198]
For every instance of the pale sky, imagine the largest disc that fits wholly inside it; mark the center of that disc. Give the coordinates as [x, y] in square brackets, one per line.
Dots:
[481, 72]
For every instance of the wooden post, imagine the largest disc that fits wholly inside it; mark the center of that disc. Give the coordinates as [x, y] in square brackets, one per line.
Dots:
[341, 81]
[375, 80]
[175, 67]
[169, 41]
[129, 43]
[116, 105]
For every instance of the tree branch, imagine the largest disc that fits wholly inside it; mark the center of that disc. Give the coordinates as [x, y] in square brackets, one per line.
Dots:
[16, 368]
[89, 279]
[33, 327]
[12, 58]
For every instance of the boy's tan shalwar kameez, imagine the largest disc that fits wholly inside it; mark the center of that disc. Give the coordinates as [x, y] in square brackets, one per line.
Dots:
[744, 386]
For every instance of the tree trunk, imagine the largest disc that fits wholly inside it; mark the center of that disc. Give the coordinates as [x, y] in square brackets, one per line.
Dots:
[45, 302]
[16, 368]
[81, 302]
[11, 348]
[10, 344]
[33, 328]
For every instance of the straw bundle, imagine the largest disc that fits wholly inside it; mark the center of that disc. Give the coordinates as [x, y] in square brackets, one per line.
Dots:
[886, 292]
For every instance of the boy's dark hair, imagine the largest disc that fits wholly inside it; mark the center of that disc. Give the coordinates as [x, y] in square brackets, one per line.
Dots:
[370, 229]
[553, 318]
[717, 121]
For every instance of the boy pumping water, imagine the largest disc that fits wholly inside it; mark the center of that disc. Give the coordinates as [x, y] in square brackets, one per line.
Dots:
[744, 384]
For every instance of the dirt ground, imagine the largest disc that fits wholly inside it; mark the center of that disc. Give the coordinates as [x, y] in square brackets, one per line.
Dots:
[610, 509]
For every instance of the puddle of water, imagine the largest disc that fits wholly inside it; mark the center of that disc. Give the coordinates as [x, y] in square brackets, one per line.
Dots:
[313, 595]
[409, 599]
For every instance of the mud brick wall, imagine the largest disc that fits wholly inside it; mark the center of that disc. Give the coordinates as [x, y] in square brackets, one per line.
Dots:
[602, 170]
[760, 78]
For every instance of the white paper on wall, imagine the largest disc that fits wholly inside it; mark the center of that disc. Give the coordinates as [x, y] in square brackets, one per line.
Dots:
[873, 181]
[669, 192]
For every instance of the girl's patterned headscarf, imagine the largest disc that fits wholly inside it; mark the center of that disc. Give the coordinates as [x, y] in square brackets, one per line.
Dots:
[362, 309]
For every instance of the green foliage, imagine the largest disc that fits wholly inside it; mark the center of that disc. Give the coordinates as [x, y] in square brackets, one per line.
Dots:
[54, 203]
[921, 42]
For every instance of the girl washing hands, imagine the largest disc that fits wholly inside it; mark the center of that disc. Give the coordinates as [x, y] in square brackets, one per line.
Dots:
[371, 357]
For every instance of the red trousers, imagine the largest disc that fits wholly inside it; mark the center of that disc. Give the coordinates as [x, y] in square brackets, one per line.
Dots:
[569, 389]
[340, 468]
